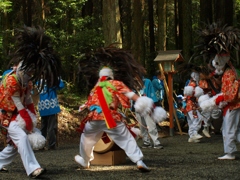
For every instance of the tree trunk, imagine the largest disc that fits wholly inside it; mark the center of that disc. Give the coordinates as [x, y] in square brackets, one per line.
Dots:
[162, 29]
[219, 11]
[97, 9]
[180, 4]
[151, 26]
[206, 14]
[126, 22]
[138, 32]
[87, 9]
[229, 12]
[43, 12]
[234, 14]
[5, 39]
[29, 12]
[176, 24]
[224, 11]
[24, 12]
[111, 25]
[187, 28]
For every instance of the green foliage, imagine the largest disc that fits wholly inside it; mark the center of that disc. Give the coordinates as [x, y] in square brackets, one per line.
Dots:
[72, 34]
[5, 6]
[72, 100]
[76, 33]
[237, 11]
[68, 87]
[6, 47]
[69, 99]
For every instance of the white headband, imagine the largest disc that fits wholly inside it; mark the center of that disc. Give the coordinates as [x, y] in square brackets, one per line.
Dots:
[105, 71]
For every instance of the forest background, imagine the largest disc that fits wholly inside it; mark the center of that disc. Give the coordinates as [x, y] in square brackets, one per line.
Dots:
[142, 26]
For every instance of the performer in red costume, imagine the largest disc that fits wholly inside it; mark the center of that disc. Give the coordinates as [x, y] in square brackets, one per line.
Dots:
[192, 109]
[217, 43]
[191, 93]
[36, 59]
[112, 74]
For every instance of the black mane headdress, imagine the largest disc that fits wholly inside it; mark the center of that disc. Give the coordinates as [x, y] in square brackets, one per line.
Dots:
[217, 39]
[187, 68]
[34, 49]
[125, 68]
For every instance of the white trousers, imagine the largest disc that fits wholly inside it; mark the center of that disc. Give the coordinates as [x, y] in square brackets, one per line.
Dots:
[20, 139]
[148, 128]
[231, 130]
[120, 135]
[194, 123]
[206, 116]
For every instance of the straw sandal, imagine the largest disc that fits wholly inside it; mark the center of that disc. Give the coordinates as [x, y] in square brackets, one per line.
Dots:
[4, 170]
[38, 172]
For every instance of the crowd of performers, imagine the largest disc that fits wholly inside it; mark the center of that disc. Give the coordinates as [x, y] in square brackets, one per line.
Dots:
[113, 76]
[213, 89]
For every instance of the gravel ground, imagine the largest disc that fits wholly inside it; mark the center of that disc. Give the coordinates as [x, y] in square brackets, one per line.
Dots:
[178, 160]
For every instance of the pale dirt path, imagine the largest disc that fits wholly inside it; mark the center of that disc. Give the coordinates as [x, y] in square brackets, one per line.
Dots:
[178, 160]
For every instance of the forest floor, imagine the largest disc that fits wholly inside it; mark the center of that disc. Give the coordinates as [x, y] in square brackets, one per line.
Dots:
[178, 160]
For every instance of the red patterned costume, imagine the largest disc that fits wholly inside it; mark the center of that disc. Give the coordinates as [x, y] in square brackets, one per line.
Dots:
[204, 84]
[193, 115]
[10, 88]
[111, 90]
[7, 89]
[191, 101]
[230, 87]
[34, 59]
[231, 112]
[217, 43]
[118, 98]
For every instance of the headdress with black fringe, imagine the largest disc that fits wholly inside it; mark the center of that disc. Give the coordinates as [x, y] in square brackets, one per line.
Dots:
[187, 68]
[215, 39]
[125, 68]
[35, 52]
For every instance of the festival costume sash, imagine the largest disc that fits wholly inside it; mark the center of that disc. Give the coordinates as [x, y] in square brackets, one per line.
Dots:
[105, 98]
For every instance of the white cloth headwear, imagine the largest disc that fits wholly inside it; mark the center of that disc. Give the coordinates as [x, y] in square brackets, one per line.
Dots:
[195, 76]
[106, 71]
[219, 62]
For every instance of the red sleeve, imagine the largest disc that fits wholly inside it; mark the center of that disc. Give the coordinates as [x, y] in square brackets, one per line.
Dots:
[7, 89]
[230, 85]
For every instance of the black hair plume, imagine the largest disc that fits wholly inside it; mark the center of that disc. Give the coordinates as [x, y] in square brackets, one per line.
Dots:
[125, 67]
[216, 38]
[35, 51]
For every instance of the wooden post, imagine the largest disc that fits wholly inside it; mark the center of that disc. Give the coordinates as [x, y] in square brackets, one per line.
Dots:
[170, 102]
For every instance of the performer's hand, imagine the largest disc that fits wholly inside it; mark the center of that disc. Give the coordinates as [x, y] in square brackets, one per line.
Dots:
[24, 114]
[219, 99]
